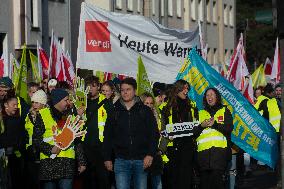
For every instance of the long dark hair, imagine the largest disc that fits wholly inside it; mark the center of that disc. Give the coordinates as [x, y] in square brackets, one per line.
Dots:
[218, 99]
[10, 96]
[173, 96]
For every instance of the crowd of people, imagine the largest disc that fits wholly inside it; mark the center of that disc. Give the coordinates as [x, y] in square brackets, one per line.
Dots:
[123, 147]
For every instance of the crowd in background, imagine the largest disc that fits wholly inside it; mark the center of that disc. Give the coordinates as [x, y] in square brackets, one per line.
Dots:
[123, 147]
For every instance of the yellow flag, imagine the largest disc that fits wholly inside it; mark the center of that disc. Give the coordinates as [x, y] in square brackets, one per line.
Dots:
[258, 77]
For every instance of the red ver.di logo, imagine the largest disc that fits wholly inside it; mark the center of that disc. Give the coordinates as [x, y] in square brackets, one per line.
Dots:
[97, 36]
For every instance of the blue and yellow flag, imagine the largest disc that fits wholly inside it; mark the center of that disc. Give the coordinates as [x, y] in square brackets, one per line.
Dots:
[252, 132]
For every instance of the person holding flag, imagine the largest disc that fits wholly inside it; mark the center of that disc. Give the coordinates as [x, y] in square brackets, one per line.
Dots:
[180, 109]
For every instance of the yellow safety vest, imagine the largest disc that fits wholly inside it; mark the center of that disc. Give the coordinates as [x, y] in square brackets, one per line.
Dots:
[273, 110]
[48, 135]
[211, 137]
[29, 127]
[102, 116]
[193, 104]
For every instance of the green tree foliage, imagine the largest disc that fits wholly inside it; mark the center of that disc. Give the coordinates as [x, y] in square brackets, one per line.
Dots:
[259, 37]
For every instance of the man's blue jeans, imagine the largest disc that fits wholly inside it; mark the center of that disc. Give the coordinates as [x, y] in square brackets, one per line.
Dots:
[125, 170]
[60, 183]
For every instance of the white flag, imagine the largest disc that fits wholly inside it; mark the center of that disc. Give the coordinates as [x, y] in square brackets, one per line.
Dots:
[111, 42]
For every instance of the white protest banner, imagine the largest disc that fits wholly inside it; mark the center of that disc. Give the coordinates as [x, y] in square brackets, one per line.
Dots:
[111, 42]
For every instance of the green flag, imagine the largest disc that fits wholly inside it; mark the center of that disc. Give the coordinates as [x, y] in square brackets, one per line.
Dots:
[34, 62]
[22, 88]
[143, 83]
[15, 71]
[258, 77]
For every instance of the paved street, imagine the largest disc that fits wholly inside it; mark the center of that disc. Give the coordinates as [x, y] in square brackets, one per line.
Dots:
[259, 179]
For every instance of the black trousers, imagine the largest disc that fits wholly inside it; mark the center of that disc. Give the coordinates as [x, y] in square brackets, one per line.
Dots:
[179, 170]
[212, 179]
[32, 175]
[96, 175]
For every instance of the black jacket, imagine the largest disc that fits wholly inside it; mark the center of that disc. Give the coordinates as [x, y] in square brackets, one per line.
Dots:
[217, 158]
[131, 134]
[14, 133]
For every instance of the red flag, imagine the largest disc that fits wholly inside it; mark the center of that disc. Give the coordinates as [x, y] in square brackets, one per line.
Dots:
[275, 72]
[248, 90]
[267, 66]
[54, 58]
[1, 66]
[238, 69]
[68, 69]
[43, 62]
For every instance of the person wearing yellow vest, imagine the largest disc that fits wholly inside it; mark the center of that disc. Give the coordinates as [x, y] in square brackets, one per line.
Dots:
[213, 140]
[179, 109]
[12, 140]
[268, 107]
[39, 101]
[57, 167]
[96, 175]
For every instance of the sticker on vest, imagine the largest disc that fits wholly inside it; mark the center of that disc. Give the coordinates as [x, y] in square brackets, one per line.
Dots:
[178, 130]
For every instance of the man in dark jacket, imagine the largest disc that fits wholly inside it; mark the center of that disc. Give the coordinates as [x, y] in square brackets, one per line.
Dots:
[131, 132]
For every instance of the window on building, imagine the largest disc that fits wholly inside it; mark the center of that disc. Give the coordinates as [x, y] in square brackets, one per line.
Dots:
[225, 15]
[215, 13]
[209, 56]
[231, 16]
[208, 11]
[118, 4]
[200, 10]
[170, 7]
[193, 9]
[162, 11]
[215, 56]
[153, 7]
[179, 8]
[138, 6]
[130, 5]
[226, 53]
[2, 37]
[34, 13]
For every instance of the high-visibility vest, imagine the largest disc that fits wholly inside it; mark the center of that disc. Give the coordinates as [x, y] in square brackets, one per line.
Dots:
[273, 111]
[48, 135]
[102, 116]
[193, 104]
[211, 137]
[29, 127]
[19, 106]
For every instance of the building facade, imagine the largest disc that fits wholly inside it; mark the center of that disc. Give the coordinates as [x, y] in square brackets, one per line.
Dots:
[28, 21]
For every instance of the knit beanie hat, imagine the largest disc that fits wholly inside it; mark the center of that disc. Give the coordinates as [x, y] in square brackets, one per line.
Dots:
[6, 82]
[40, 97]
[52, 82]
[57, 95]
